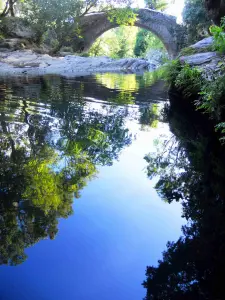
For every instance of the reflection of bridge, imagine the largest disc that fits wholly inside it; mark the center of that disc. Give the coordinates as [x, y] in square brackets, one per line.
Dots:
[163, 26]
[87, 87]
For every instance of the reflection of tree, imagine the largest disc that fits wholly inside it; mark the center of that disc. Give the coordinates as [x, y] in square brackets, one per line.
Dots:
[191, 168]
[49, 149]
[149, 115]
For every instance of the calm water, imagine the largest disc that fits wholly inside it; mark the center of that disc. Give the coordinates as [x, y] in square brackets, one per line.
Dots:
[79, 219]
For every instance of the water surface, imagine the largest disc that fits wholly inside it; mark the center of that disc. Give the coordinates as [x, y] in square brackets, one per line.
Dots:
[79, 218]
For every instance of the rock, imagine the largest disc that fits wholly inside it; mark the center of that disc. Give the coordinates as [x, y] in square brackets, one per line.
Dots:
[18, 62]
[14, 44]
[199, 58]
[16, 28]
[156, 57]
[209, 63]
[205, 43]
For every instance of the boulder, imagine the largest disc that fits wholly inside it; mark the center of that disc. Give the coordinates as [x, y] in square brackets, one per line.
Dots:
[16, 28]
[13, 44]
[156, 57]
[205, 43]
[198, 59]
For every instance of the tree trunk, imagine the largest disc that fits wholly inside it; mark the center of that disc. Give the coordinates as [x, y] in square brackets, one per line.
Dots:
[216, 10]
[11, 9]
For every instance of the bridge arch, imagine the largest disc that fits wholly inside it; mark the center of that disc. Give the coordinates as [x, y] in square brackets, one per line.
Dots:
[162, 25]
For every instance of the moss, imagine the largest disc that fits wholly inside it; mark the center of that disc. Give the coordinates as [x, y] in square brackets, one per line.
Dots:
[83, 54]
[187, 51]
[191, 51]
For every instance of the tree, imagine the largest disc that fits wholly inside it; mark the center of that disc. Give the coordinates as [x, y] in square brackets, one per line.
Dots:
[157, 4]
[145, 41]
[196, 20]
[63, 17]
[9, 8]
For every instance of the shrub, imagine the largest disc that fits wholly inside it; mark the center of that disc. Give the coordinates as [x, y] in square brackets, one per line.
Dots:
[218, 33]
[171, 70]
[66, 49]
[189, 80]
[221, 127]
[213, 95]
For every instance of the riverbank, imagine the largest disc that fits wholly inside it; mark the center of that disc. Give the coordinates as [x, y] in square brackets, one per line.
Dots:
[198, 74]
[27, 62]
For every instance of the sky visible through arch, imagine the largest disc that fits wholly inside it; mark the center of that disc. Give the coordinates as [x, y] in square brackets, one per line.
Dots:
[174, 9]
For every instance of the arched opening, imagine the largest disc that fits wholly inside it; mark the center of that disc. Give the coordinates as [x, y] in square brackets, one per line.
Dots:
[163, 26]
[129, 41]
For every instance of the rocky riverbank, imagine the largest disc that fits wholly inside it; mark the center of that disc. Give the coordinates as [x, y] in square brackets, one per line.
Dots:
[203, 57]
[27, 62]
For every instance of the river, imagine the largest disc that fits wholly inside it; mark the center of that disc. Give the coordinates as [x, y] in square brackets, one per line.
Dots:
[79, 216]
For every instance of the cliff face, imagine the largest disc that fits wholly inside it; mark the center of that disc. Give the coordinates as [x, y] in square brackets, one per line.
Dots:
[216, 9]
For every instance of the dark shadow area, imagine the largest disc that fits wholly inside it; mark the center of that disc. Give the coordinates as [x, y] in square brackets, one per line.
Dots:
[191, 169]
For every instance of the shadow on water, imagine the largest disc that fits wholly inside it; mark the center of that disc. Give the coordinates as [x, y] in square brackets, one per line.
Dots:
[191, 169]
[54, 133]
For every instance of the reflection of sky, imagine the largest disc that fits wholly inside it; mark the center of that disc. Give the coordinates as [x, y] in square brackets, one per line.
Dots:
[119, 227]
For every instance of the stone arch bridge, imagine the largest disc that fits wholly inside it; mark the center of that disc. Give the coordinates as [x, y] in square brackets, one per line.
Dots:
[162, 25]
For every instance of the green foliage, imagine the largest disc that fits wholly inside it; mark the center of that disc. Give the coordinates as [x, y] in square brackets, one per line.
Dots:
[196, 20]
[189, 80]
[116, 43]
[60, 16]
[122, 16]
[171, 70]
[157, 4]
[221, 128]
[212, 97]
[145, 41]
[187, 51]
[218, 33]
[67, 49]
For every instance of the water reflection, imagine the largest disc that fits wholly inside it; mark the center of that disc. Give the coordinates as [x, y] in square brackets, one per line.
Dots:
[190, 167]
[51, 142]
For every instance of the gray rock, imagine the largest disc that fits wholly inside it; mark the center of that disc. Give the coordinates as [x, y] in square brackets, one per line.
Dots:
[198, 59]
[203, 43]
[17, 28]
[13, 44]
[156, 57]
[18, 62]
